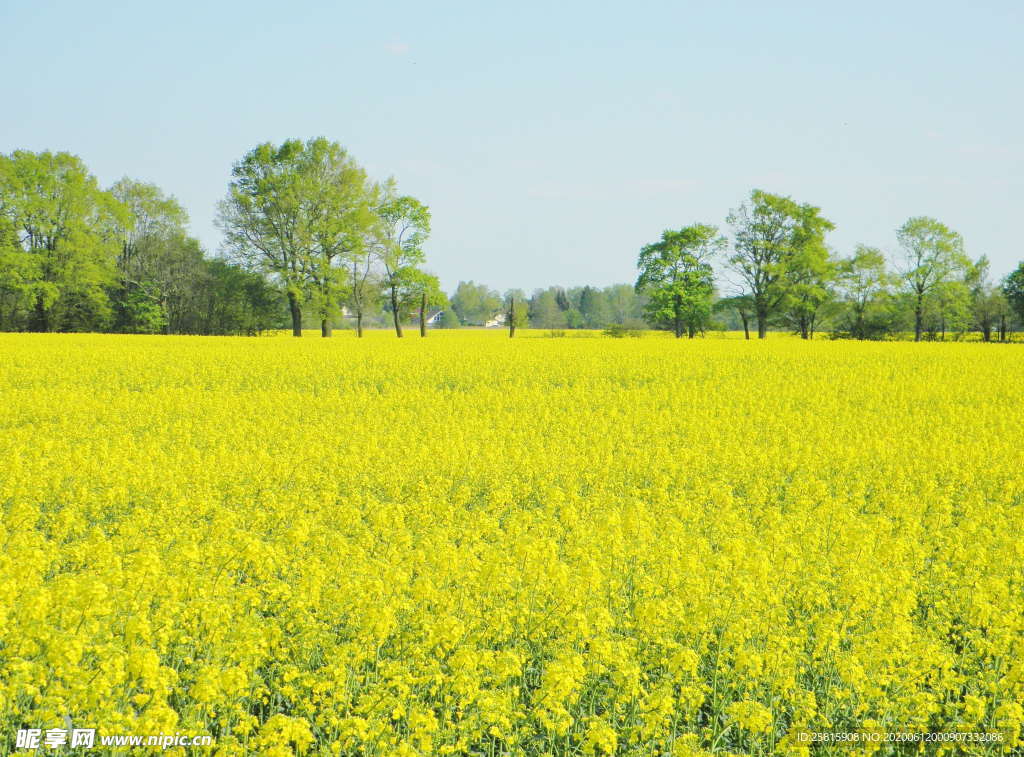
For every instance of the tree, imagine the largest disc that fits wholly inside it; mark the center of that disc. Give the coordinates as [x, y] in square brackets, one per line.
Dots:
[341, 218]
[863, 283]
[267, 218]
[158, 263]
[810, 275]
[593, 308]
[403, 227]
[475, 304]
[948, 309]
[933, 253]
[233, 300]
[517, 311]
[21, 279]
[449, 320]
[63, 252]
[772, 235]
[545, 311]
[989, 307]
[676, 276]
[625, 305]
[362, 287]
[423, 290]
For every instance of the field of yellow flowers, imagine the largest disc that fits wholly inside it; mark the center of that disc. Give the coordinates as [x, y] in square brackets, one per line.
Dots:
[470, 545]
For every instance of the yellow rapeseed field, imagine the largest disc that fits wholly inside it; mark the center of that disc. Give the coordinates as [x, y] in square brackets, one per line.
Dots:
[470, 545]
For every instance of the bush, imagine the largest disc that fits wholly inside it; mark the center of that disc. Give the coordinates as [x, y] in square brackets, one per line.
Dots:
[619, 331]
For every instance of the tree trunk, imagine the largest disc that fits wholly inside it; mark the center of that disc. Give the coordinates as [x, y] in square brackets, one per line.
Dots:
[394, 312]
[296, 311]
[359, 323]
[762, 323]
[1002, 328]
[918, 317]
[746, 326]
[511, 317]
[423, 314]
[986, 331]
[40, 320]
[326, 328]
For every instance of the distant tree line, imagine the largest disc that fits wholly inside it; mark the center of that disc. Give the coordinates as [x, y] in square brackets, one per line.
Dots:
[309, 238]
[583, 307]
[786, 277]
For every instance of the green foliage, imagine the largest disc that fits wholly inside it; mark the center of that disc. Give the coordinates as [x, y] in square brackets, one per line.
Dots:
[449, 319]
[594, 308]
[866, 307]
[158, 265]
[545, 310]
[60, 246]
[142, 312]
[1013, 290]
[475, 304]
[988, 304]
[677, 278]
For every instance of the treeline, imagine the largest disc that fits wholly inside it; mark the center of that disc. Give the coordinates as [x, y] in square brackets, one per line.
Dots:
[307, 234]
[75, 257]
[309, 238]
[785, 276]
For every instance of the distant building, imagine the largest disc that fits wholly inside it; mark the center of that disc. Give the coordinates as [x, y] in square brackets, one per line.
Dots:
[496, 321]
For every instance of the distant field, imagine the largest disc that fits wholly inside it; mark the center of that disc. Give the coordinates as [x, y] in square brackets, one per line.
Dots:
[468, 544]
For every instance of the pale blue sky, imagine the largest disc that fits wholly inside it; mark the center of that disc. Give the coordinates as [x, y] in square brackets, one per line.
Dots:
[550, 141]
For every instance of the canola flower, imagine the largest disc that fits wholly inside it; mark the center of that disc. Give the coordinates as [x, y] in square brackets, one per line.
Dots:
[473, 545]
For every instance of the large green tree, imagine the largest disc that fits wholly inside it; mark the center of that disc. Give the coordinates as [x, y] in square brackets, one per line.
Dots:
[265, 219]
[677, 278]
[933, 254]
[773, 236]
[341, 215]
[296, 212]
[403, 226]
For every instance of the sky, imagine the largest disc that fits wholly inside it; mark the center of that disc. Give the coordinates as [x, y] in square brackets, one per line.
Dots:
[550, 140]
